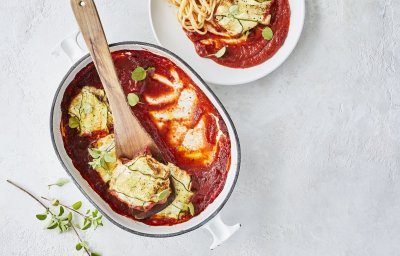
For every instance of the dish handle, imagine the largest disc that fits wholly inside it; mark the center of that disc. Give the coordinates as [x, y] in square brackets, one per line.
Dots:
[220, 231]
[70, 47]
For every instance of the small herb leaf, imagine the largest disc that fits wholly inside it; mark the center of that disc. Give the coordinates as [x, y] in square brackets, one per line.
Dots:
[76, 206]
[109, 158]
[94, 213]
[60, 182]
[87, 225]
[139, 74]
[78, 246]
[163, 194]
[52, 225]
[55, 202]
[41, 216]
[94, 254]
[133, 99]
[221, 52]
[267, 33]
[69, 216]
[73, 122]
[191, 209]
[61, 211]
[95, 153]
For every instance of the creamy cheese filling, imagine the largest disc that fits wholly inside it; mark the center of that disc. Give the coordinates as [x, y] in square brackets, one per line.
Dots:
[176, 85]
[187, 136]
[183, 195]
[237, 17]
[90, 108]
[142, 182]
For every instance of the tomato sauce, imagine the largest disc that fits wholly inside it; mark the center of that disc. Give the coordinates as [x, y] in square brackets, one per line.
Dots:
[207, 179]
[255, 50]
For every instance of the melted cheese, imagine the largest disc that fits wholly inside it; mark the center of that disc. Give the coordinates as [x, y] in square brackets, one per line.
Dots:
[179, 119]
[175, 85]
[195, 145]
[184, 110]
[90, 107]
[141, 182]
[106, 144]
[183, 195]
[240, 16]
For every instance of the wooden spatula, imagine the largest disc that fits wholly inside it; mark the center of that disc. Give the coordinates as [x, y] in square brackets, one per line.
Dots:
[131, 139]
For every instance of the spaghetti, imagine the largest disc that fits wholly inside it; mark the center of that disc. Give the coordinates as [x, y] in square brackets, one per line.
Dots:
[193, 14]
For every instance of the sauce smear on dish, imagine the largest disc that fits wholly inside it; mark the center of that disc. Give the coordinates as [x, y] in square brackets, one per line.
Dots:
[183, 122]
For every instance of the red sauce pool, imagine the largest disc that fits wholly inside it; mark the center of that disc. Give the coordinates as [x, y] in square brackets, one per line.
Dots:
[207, 180]
[255, 50]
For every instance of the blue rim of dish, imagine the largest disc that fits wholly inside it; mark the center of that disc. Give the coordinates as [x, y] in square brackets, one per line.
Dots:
[219, 208]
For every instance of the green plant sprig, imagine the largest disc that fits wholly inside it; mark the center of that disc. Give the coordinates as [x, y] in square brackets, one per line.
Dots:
[91, 218]
[101, 157]
[60, 182]
[62, 220]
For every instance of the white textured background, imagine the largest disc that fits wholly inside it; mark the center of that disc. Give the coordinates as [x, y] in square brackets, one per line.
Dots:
[320, 136]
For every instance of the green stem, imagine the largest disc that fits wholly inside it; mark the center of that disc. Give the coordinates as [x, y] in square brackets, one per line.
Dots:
[79, 237]
[66, 206]
[30, 194]
[48, 209]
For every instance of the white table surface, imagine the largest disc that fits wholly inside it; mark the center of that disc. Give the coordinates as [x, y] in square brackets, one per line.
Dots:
[320, 136]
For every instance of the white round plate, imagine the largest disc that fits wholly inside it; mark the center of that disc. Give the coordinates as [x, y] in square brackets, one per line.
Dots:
[170, 35]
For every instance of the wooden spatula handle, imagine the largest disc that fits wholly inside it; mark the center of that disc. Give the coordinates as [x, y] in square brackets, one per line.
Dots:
[131, 138]
[92, 30]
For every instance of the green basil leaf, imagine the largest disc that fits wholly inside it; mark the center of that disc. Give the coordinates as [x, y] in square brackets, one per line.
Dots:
[64, 225]
[95, 153]
[95, 254]
[103, 163]
[109, 158]
[69, 216]
[99, 221]
[60, 182]
[78, 246]
[267, 33]
[191, 209]
[94, 213]
[55, 202]
[139, 74]
[76, 206]
[73, 122]
[41, 216]
[87, 225]
[61, 211]
[52, 225]
[163, 194]
[133, 99]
